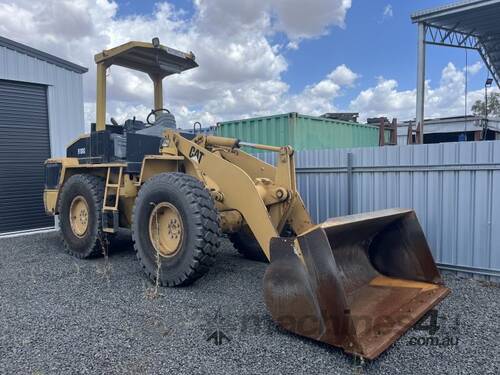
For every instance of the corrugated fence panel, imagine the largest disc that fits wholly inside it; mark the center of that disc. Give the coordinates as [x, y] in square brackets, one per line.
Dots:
[453, 188]
[495, 212]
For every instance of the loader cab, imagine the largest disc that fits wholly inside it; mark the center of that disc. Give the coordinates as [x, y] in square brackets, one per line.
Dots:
[131, 141]
[155, 60]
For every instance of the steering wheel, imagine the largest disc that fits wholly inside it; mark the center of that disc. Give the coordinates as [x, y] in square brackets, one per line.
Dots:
[194, 126]
[153, 112]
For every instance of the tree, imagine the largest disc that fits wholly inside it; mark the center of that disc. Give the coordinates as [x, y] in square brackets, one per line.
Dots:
[478, 108]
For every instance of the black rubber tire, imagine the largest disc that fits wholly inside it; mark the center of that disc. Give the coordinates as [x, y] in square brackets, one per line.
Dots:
[247, 245]
[200, 220]
[91, 188]
[245, 242]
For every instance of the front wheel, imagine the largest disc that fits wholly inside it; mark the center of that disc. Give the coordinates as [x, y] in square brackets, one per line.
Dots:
[247, 245]
[175, 229]
[245, 242]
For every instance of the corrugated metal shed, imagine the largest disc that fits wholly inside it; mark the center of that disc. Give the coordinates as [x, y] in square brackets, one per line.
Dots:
[453, 188]
[64, 88]
[457, 124]
[42, 111]
[468, 24]
[300, 131]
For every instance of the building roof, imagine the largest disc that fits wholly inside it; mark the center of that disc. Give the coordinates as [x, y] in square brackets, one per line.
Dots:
[22, 48]
[453, 124]
[468, 24]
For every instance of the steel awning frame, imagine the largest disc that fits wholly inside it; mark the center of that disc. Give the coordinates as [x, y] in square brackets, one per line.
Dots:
[466, 24]
[471, 24]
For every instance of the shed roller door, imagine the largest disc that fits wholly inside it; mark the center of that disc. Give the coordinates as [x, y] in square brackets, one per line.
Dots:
[24, 146]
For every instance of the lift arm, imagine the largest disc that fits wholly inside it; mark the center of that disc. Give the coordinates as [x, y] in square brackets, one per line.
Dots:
[229, 180]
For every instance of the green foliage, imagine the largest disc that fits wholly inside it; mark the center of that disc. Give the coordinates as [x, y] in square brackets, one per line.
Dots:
[478, 108]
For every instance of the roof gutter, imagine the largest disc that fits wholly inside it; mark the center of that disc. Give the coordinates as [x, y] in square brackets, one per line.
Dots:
[44, 56]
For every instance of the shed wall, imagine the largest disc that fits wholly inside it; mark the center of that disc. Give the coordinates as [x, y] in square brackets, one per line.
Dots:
[64, 93]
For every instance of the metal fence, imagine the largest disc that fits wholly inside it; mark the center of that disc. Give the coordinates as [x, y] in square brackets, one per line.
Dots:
[453, 187]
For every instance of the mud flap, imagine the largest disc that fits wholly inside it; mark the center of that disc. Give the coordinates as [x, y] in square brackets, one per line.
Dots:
[357, 282]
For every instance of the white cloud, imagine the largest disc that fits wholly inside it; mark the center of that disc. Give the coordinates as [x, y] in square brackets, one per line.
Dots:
[318, 98]
[474, 68]
[240, 70]
[446, 99]
[305, 19]
[294, 45]
[342, 75]
[388, 12]
[384, 100]
[296, 18]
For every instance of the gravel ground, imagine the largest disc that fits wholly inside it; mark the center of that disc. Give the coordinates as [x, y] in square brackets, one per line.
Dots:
[63, 315]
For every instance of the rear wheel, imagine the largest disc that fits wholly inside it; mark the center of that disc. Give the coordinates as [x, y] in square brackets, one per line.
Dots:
[175, 229]
[80, 205]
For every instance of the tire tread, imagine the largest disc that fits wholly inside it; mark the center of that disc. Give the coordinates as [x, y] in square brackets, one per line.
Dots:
[96, 186]
[207, 220]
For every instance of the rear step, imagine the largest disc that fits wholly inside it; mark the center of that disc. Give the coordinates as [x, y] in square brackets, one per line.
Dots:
[358, 282]
[110, 216]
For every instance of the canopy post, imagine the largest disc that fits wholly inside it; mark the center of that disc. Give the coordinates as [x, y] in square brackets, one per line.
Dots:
[158, 91]
[101, 97]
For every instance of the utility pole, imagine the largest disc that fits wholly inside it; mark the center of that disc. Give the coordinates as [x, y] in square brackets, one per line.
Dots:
[420, 81]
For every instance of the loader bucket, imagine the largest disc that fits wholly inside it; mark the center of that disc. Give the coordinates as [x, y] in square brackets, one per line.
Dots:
[357, 282]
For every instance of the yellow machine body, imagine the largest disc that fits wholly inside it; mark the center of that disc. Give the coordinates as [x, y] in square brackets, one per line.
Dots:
[357, 282]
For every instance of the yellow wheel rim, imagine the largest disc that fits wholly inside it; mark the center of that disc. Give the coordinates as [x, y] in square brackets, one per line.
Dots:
[165, 229]
[79, 216]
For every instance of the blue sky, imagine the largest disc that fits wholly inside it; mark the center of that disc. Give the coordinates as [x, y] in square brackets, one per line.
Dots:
[257, 57]
[374, 45]
[371, 44]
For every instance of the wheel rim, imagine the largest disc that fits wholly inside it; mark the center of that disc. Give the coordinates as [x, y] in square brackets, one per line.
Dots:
[79, 216]
[165, 229]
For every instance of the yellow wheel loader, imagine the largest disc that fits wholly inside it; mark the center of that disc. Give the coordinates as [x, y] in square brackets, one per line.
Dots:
[357, 282]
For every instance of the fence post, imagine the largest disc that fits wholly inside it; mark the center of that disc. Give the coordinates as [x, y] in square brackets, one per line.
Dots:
[349, 183]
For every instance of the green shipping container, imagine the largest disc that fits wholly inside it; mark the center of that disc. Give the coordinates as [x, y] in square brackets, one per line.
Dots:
[301, 132]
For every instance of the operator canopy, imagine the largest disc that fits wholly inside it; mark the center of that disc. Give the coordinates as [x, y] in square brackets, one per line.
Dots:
[151, 58]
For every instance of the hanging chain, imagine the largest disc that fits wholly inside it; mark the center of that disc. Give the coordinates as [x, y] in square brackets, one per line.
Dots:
[151, 294]
[106, 270]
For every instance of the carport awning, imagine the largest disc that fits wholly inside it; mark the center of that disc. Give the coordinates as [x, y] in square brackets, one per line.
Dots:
[466, 24]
